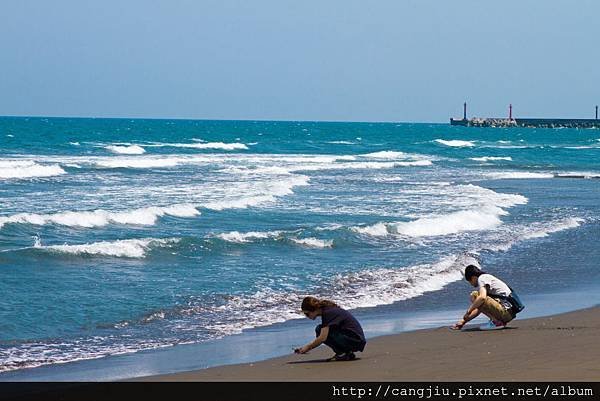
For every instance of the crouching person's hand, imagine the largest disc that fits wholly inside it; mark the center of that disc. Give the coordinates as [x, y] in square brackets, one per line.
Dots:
[458, 325]
[301, 350]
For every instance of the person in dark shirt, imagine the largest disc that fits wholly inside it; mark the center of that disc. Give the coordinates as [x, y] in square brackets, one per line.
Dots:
[338, 329]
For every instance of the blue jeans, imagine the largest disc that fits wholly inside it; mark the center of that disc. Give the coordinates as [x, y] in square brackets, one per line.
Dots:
[341, 342]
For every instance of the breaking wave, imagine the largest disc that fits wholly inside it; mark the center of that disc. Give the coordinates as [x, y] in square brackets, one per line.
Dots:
[455, 143]
[466, 220]
[240, 238]
[130, 248]
[386, 154]
[288, 236]
[149, 215]
[484, 214]
[16, 169]
[99, 218]
[313, 242]
[126, 150]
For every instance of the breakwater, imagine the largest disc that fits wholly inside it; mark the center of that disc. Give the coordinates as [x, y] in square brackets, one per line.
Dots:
[527, 122]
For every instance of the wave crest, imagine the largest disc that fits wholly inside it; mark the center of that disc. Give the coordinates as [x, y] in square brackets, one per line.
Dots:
[10, 169]
[126, 150]
[130, 248]
[288, 236]
[483, 214]
[99, 218]
[456, 143]
[313, 242]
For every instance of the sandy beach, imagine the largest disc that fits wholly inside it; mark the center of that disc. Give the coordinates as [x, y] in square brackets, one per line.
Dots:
[560, 347]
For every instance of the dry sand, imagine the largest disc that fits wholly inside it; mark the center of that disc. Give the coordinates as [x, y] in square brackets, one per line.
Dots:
[563, 347]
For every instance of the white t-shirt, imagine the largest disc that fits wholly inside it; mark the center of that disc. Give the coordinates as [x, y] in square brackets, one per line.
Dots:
[495, 285]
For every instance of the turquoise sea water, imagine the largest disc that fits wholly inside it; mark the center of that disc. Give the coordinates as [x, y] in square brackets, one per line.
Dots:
[118, 236]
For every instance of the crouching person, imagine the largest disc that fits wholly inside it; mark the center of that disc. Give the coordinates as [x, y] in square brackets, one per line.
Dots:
[338, 329]
[494, 298]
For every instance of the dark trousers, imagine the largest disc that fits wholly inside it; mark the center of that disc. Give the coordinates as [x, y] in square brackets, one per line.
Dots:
[341, 342]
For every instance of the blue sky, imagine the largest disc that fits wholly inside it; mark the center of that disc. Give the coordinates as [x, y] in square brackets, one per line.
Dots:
[383, 60]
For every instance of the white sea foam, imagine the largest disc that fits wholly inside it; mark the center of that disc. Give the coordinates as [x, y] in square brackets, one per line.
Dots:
[254, 163]
[149, 215]
[238, 237]
[533, 231]
[415, 163]
[467, 220]
[455, 143]
[366, 288]
[17, 169]
[564, 224]
[490, 158]
[386, 154]
[375, 230]
[204, 145]
[99, 218]
[241, 238]
[516, 175]
[274, 189]
[511, 147]
[253, 170]
[342, 142]
[358, 165]
[313, 242]
[484, 210]
[126, 150]
[145, 162]
[240, 203]
[370, 288]
[131, 248]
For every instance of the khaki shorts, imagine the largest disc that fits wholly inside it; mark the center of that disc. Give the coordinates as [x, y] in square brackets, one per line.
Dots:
[493, 309]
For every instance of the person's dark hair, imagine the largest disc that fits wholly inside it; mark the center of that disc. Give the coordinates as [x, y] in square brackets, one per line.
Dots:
[472, 271]
[311, 304]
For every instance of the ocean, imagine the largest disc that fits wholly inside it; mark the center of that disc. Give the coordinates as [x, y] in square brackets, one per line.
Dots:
[125, 235]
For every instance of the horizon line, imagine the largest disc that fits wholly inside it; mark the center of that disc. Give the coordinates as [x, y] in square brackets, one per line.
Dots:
[222, 119]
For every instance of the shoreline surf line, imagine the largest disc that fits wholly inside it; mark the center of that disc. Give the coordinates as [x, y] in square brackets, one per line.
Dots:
[518, 353]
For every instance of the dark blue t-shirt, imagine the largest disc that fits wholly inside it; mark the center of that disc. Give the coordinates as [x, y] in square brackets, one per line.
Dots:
[333, 316]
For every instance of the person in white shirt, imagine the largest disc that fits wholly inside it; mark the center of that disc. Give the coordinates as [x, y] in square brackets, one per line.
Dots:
[490, 299]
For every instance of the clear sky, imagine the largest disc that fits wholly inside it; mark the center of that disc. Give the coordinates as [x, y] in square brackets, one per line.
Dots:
[353, 60]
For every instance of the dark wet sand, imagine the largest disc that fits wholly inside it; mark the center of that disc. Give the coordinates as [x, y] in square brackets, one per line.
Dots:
[561, 347]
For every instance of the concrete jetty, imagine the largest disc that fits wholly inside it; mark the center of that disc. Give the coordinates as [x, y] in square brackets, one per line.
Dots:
[526, 122]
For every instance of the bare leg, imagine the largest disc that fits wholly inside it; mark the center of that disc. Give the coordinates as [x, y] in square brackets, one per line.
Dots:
[473, 296]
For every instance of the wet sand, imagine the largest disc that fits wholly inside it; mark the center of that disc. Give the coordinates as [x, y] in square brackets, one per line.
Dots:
[561, 347]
